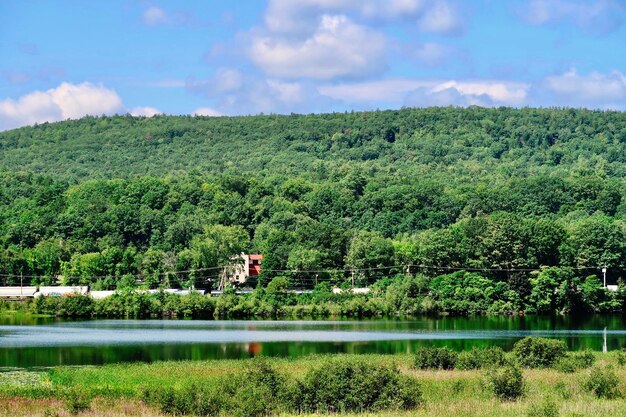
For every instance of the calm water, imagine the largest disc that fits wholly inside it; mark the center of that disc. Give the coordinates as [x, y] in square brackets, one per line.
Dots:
[47, 342]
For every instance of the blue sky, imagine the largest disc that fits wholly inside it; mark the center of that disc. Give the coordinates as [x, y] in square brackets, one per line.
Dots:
[65, 59]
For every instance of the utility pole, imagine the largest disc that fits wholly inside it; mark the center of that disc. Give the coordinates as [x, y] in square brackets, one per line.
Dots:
[604, 274]
[21, 283]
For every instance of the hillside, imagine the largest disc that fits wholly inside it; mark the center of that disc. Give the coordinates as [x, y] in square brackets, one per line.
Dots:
[100, 198]
[462, 142]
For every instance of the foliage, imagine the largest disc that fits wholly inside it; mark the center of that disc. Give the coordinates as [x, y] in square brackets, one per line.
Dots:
[481, 358]
[547, 408]
[574, 361]
[165, 202]
[470, 293]
[506, 382]
[435, 358]
[258, 391]
[65, 306]
[76, 400]
[603, 382]
[337, 384]
[341, 385]
[538, 352]
[192, 399]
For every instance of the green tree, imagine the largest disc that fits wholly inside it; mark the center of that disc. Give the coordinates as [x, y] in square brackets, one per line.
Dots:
[370, 256]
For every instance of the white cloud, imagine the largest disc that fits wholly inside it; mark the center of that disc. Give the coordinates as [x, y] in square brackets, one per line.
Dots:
[432, 92]
[224, 81]
[450, 96]
[252, 94]
[392, 90]
[227, 79]
[338, 48]
[570, 89]
[597, 16]
[503, 92]
[441, 18]
[145, 111]
[432, 54]
[392, 9]
[335, 39]
[300, 18]
[206, 111]
[67, 101]
[595, 89]
[288, 92]
[154, 16]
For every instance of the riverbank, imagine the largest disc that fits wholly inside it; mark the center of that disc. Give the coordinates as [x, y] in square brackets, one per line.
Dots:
[553, 291]
[142, 389]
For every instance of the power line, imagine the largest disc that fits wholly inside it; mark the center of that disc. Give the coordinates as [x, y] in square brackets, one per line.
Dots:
[143, 275]
[298, 271]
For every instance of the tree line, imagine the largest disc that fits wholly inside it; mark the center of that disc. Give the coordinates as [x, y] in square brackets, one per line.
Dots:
[345, 197]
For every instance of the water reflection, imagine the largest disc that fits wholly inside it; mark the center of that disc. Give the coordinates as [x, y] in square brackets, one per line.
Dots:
[48, 342]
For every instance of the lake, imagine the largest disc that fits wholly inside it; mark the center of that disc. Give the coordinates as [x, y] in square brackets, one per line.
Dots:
[30, 342]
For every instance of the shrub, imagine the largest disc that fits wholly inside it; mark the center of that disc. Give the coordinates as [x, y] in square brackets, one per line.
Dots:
[258, 391]
[621, 357]
[341, 385]
[546, 409]
[64, 306]
[191, 399]
[563, 390]
[76, 400]
[572, 362]
[480, 358]
[538, 352]
[165, 398]
[603, 382]
[567, 364]
[585, 358]
[506, 382]
[435, 358]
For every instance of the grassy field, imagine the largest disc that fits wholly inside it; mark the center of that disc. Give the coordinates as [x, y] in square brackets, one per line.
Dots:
[116, 390]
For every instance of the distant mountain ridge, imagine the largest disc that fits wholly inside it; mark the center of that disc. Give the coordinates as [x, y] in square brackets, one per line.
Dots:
[463, 142]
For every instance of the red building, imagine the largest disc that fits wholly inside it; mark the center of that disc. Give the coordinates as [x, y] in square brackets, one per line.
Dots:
[247, 266]
[254, 265]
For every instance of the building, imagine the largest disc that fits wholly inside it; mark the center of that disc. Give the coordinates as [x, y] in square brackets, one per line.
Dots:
[246, 266]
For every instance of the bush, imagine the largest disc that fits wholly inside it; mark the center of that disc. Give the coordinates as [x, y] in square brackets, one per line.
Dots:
[341, 385]
[546, 409]
[435, 358]
[567, 364]
[585, 358]
[258, 391]
[64, 306]
[538, 352]
[76, 400]
[506, 382]
[621, 357]
[191, 399]
[480, 358]
[575, 361]
[603, 382]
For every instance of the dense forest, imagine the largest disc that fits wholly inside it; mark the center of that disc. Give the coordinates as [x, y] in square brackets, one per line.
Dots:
[343, 197]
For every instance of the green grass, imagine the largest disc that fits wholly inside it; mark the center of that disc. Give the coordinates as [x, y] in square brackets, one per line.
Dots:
[445, 393]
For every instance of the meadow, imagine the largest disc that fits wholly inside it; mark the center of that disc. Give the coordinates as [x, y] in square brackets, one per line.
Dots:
[568, 384]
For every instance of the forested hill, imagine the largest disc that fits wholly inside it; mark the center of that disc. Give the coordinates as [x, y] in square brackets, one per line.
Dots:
[98, 199]
[458, 143]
